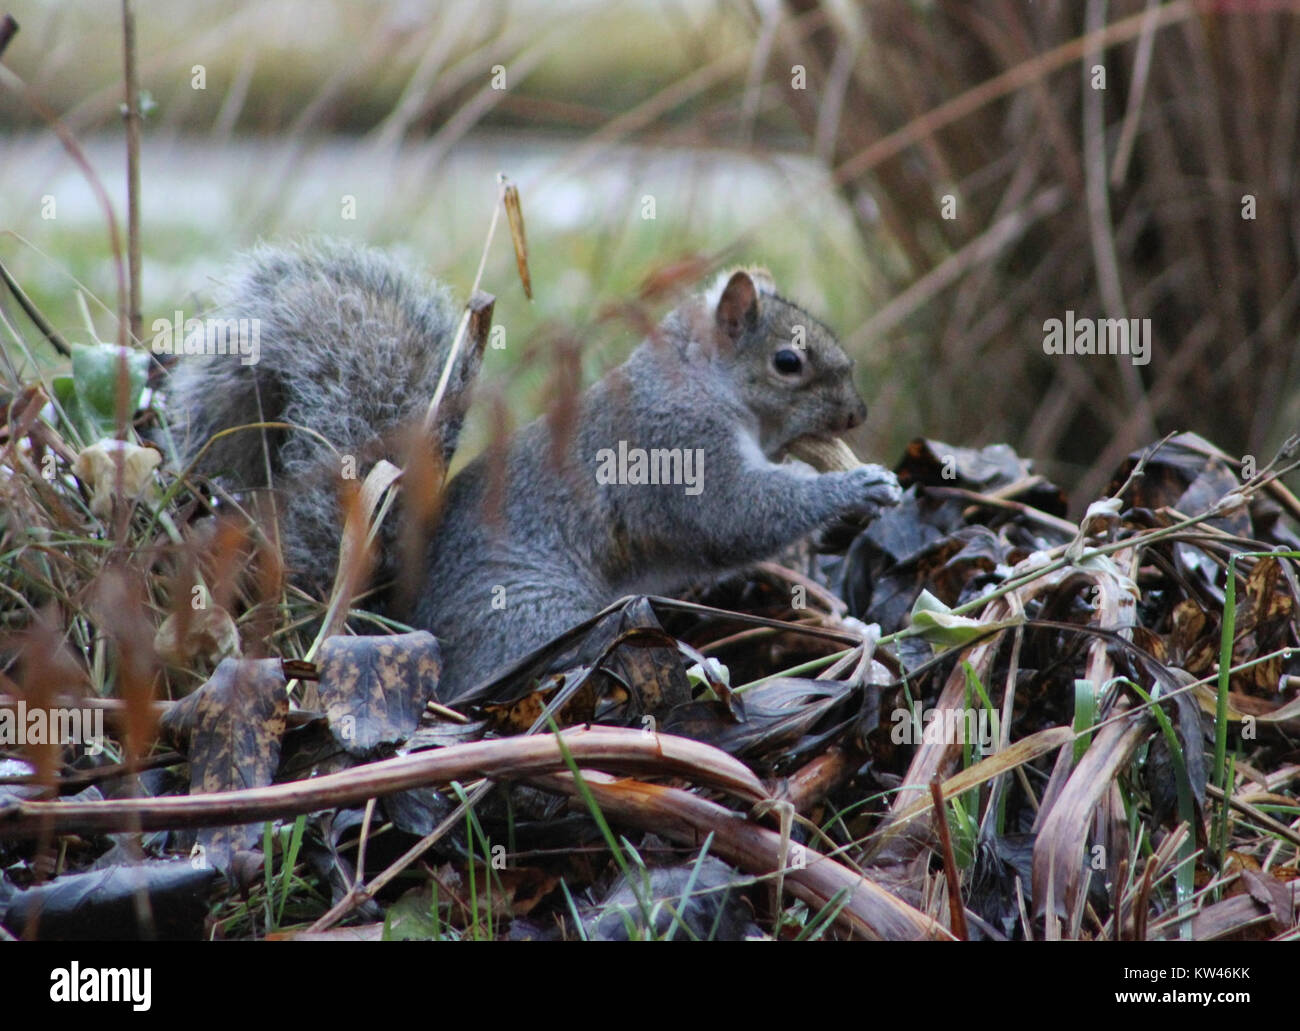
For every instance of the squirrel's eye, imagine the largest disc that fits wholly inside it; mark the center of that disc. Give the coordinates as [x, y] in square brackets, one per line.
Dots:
[787, 361]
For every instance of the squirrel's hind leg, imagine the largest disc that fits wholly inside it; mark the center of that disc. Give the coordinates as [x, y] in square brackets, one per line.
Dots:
[493, 628]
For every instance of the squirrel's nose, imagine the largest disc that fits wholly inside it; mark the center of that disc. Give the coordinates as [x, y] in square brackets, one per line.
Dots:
[856, 417]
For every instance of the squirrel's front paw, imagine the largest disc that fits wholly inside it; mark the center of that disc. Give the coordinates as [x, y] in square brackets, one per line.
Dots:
[875, 487]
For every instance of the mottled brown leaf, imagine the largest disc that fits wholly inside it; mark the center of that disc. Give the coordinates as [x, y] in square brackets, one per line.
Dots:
[230, 728]
[373, 689]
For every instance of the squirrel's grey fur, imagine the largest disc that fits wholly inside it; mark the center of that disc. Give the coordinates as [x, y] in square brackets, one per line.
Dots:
[352, 347]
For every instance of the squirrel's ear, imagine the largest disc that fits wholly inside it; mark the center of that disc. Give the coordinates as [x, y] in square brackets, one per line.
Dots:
[738, 306]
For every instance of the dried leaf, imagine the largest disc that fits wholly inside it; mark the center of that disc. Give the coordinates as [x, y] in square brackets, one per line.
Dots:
[515, 217]
[230, 729]
[373, 689]
[97, 467]
[208, 633]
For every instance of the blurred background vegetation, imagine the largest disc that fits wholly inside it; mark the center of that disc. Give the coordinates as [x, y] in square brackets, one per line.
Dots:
[936, 177]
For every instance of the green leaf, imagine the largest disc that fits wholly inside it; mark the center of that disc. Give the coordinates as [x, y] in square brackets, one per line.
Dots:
[934, 621]
[93, 402]
[413, 918]
[1085, 716]
[84, 427]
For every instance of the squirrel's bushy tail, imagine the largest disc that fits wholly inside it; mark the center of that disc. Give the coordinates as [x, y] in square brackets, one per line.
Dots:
[350, 345]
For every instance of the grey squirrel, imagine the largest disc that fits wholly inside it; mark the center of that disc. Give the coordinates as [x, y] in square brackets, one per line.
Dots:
[671, 472]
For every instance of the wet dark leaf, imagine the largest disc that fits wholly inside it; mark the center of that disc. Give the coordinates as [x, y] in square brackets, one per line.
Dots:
[105, 905]
[779, 714]
[701, 898]
[641, 674]
[1187, 474]
[1160, 773]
